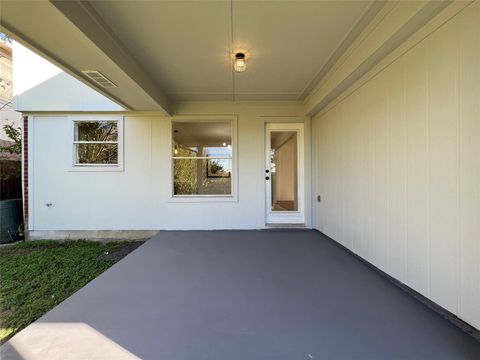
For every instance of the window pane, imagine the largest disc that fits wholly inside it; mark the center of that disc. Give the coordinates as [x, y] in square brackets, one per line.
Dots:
[96, 153]
[96, 131]
[202, 176]
[283, 165]
[192, 139]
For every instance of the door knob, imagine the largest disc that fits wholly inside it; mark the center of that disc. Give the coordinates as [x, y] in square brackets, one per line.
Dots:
[267, 178]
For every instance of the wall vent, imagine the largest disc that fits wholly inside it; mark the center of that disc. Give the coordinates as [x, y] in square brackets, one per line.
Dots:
[99, 78]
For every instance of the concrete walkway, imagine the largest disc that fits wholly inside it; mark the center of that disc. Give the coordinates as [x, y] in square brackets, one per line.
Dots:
[242, 295]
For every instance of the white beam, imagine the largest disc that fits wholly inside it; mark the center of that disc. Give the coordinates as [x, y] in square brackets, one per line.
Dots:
[88, 21]
[392, 26]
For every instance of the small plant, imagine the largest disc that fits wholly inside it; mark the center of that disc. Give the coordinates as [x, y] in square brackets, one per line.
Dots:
[14, 134]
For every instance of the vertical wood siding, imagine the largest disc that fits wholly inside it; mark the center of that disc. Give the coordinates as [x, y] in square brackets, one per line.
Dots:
[398, 168]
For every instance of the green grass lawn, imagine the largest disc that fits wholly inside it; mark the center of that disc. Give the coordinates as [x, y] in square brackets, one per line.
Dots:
[35, 276]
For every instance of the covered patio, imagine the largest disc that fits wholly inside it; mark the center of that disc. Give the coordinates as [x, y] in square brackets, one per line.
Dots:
[266, 294]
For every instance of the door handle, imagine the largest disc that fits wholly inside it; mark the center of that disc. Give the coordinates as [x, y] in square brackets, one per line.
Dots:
[267, 178]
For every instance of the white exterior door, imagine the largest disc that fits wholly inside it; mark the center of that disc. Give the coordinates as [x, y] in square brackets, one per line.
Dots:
[284, 173]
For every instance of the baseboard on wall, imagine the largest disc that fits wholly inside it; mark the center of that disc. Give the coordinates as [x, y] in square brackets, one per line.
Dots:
[97, 235]
[286, 226]
[455, 320]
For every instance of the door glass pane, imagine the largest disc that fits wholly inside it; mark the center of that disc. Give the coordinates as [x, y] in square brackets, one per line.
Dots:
[283, 166]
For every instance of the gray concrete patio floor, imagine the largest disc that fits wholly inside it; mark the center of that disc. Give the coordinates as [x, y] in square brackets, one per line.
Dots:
[241, 295]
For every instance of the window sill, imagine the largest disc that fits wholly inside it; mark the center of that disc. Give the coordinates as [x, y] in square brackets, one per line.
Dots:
[202, 198]
[96, 168]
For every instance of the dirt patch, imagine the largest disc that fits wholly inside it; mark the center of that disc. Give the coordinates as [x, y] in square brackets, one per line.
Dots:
[122, 252]
[27, 250]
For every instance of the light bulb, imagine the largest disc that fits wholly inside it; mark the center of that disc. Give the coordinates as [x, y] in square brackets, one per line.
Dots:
[239, 64]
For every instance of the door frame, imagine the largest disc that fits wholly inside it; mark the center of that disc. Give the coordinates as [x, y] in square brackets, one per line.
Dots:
[286, 217]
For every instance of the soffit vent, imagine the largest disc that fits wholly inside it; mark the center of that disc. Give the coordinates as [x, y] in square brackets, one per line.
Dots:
[99, 78]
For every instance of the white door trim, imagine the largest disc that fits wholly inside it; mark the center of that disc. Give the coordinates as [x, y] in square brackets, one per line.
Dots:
[286, 217]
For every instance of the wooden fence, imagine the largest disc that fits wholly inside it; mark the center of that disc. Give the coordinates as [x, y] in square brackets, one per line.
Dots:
[10, 179]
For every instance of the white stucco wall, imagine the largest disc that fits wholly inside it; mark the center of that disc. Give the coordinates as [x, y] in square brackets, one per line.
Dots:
[397, 166]
[38, 85]
[140, 196]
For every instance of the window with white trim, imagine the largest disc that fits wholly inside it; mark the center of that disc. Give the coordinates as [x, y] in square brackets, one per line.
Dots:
[202, 158]
[96, 142]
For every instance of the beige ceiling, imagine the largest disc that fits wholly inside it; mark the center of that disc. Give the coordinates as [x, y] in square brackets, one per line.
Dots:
[157, 52]
[185, 45]
[202, 133]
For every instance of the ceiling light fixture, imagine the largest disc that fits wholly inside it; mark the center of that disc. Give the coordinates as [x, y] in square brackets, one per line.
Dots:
[239, 65]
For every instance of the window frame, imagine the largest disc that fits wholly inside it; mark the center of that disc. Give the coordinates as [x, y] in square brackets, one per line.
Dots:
[233, 196]
[119, 166]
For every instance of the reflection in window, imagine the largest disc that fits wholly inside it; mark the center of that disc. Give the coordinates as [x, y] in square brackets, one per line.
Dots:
[96, 142]
[202, 158]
